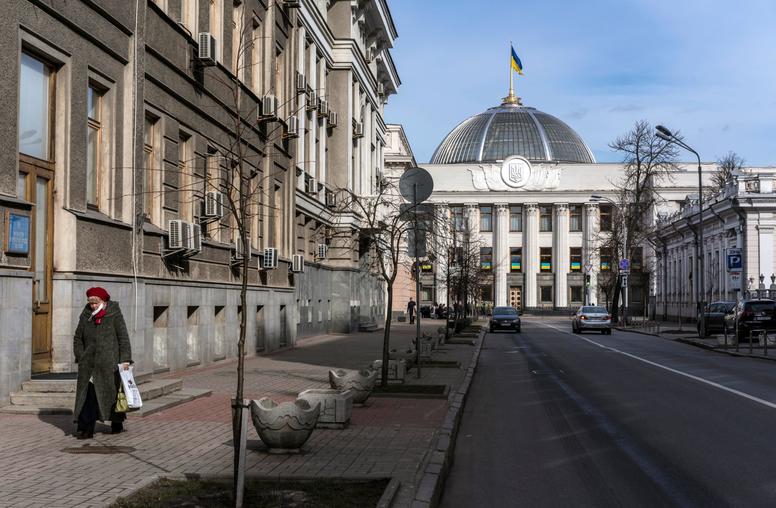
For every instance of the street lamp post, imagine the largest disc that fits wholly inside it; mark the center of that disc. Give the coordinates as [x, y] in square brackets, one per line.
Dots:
[624, 227]
[666, 135]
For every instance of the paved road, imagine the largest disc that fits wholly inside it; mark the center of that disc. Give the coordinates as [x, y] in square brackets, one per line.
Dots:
[556, 419]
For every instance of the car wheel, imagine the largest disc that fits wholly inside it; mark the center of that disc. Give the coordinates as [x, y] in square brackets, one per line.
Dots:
[575, 329]
[603, 332]
[517, 330]
[491, 329]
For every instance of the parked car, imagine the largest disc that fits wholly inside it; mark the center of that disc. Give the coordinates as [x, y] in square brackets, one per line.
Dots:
[505, 318]
[590, 317]
[713, 318]
[751, 314]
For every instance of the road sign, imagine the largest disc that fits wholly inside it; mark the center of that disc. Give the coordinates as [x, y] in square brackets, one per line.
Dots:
[624, 264]
[588, 266]
[624, 281]
[416, 185]
[735, 260]
[734, 281]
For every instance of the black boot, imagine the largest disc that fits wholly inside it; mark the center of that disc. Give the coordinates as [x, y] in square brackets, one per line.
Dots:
[116, 427]
[85, 432]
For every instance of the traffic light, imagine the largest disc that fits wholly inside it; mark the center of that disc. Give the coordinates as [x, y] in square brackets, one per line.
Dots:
[587, 280]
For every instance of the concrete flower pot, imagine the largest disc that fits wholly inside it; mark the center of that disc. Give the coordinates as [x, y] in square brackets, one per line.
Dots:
[397, 369]
[408, 355]
[359, 382]
[284, 427]
[336, 406]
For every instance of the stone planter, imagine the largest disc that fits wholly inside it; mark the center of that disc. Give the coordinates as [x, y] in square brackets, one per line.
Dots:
[425, 349]
[284, 427]
[397, 369]
[336, 406]
[359, 382]
[408, 355]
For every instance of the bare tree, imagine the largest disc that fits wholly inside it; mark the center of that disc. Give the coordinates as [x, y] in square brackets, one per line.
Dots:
[726, 166]
[648, 161]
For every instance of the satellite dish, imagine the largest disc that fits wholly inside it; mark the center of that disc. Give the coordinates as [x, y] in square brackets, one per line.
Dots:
[416, 185]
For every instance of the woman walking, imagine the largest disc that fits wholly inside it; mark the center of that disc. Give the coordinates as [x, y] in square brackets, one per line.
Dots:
[100, 343]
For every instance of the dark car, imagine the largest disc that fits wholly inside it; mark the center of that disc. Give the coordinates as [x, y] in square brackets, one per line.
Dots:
[713, 318]
[749, 315]
[505, 318]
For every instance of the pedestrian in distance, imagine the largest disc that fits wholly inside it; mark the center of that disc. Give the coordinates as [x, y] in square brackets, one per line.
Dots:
[411, 310]
[100, 344]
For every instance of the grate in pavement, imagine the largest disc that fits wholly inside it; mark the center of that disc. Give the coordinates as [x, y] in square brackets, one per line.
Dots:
[99, 449]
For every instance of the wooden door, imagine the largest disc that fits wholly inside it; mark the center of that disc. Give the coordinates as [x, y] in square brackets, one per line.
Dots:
[516, 296]
[38, 181]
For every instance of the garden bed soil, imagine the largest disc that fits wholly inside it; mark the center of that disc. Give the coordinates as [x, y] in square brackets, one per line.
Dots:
[412, 391]
[264, 493]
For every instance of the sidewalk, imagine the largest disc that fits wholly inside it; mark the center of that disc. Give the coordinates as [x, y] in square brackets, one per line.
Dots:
[391, 437]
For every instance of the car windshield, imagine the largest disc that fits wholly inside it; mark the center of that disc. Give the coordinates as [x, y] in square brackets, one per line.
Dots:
[760, 306]
[593, 310]
[504, 311]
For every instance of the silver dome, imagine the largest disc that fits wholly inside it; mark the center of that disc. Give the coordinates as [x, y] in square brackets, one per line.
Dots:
[512, 129]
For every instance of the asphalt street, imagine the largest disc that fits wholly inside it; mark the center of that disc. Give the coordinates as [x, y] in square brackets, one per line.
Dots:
[557, 419]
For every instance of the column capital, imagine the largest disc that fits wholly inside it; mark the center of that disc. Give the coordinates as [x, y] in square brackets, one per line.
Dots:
[531, 207]
[561, 208]
[591, 208]
[501, 208]
[471, 205]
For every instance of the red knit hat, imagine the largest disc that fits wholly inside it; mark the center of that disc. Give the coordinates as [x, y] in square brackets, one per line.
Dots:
[99, 293]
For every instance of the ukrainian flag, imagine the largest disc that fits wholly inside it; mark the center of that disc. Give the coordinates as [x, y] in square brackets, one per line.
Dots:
[517, 65]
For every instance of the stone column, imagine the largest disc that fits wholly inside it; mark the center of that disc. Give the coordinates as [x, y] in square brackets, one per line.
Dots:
[530, 253]
[591, 254]
[501, 254]
[560, 250]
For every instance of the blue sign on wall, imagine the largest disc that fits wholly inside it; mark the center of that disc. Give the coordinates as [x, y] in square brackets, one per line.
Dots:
[735, 260]
[18, 239]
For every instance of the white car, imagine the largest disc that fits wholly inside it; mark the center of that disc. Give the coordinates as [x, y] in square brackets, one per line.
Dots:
[591, 317]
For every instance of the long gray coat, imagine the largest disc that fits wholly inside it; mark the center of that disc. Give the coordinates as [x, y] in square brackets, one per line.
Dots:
[98, 350]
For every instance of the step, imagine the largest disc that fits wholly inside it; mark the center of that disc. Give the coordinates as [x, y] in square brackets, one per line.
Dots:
[43, 399]
[170, 400]
[49, 385]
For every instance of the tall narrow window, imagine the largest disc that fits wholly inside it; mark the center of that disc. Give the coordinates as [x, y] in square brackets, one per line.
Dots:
[515, 218]
[186, 193]
[545, 218]
[545, 259]
[458, 218]
[606, 260]
[35, 85]
[638, 257]
[606, 217]
[486, 218]
[257, 58]
[190, 15]
[238, 45]
[217, 25]
[515, 259]
[486, 258]
[94, 140]
[575, 259]
[152, 172]
[575, 218]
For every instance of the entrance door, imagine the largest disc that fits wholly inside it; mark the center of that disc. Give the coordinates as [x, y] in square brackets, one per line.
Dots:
[516, 296]
[35, 182]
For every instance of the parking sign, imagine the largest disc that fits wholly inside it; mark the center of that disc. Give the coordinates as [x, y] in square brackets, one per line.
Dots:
[735, 260]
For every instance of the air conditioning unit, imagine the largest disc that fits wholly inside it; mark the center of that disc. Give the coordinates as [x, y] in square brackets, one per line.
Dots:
[239, 251]
[207, 48]
[322, 250]
[358, 129]
[380, 89]
[269, 108]
[270, 258]
[175, 235]
[187, 235]
[333, 117]
[311, 186]
[214, 204]
[297, 263]
[301, 83]
[323, 107]
[312, 102]
[196, 238]
[292, 127]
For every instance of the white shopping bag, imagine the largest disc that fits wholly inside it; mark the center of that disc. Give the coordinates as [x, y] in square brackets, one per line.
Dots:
[130, 388]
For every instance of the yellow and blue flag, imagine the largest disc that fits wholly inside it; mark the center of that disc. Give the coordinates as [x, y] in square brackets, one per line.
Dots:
[516, 63]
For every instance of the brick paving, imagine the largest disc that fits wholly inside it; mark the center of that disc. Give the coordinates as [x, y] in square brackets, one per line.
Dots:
[390, 437]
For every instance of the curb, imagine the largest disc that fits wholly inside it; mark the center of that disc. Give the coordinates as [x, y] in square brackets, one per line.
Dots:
[432, 482]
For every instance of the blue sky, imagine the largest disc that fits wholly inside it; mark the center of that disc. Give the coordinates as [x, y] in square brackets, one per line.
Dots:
[704, 67]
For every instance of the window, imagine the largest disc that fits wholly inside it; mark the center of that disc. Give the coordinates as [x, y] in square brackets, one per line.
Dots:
[486, 258]
[486, 218]
[190, 15]
[238, 45]
[187, 195]
[217, 24]
[606, 217]
[576, 294]
[486, 293]
[606, 260]
[458, 218]
[257, 67]
[35, 105]
[545, 259]
[515, 259]
[152, 172]
[575, 218]
[575, 258]
[545, 218]
[545, 294]
[515, 218]
[637, 260]
[94, 144]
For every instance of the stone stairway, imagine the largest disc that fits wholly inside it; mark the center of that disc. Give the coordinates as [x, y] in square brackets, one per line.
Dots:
[57, 396]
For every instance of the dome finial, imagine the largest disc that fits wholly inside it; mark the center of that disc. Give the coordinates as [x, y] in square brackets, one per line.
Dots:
[511, 99]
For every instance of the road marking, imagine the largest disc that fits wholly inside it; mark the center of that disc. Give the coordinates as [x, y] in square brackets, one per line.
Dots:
[670, 369]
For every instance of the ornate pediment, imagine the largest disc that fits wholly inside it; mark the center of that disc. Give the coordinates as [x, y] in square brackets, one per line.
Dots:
[515, 173]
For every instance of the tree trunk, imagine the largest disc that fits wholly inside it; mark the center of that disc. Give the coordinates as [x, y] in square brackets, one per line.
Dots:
[616, 300]
[387, 336]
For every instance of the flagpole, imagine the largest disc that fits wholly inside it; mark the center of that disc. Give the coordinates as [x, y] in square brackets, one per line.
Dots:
[511, 90]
